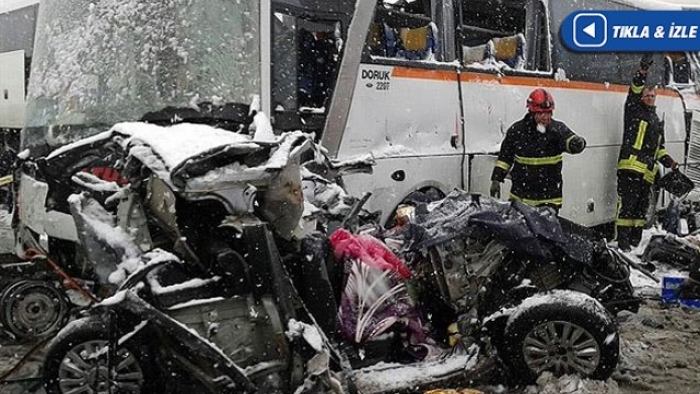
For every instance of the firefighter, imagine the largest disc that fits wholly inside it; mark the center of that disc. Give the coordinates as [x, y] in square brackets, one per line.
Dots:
[642, 146]
[532, 154]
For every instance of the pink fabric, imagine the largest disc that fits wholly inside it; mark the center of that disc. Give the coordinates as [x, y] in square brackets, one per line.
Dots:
[367, 249]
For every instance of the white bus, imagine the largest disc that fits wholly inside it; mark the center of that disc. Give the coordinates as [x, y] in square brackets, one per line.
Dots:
[17, 26]
[478, 87]
[394, 79]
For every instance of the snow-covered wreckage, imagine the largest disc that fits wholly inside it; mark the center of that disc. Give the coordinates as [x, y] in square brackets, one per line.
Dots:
[194, 240]
[211, 281]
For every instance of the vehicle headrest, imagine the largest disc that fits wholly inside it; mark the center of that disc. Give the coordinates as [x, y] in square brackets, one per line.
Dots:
[506, 48]
[415, 39]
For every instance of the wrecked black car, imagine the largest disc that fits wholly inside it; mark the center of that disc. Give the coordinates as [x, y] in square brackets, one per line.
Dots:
[193, 251]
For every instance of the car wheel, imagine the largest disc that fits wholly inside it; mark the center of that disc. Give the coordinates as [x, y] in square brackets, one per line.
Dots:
[33, 309]
[562, 332]
[77, 362]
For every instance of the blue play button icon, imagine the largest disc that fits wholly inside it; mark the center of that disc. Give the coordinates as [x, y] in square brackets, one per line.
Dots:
[590, 30]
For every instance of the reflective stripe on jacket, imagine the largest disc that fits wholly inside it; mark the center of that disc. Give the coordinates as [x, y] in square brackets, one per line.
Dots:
[534, 161]
[643, 141]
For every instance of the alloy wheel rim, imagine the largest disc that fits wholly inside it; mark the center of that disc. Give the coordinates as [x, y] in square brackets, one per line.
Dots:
[84, 370]
[561, 348]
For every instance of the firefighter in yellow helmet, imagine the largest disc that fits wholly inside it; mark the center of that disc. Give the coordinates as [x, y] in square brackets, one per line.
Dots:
[642, 146]
[532, 153]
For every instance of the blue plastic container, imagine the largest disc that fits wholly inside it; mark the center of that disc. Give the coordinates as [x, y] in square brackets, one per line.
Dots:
[669, 284]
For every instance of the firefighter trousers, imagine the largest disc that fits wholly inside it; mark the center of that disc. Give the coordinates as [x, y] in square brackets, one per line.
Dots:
[633, 192]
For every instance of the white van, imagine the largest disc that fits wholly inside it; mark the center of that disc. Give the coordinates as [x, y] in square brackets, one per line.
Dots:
[17, 26]
[397, 80]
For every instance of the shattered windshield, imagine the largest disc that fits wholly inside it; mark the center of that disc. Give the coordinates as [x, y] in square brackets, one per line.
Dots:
[108, 61]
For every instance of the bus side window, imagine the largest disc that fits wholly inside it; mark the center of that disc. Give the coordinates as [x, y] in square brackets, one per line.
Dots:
[403, 29]
[498, 51]
[494, 33]
[381, 40]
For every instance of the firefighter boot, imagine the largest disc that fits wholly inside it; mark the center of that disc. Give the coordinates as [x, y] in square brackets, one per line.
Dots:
[623, 238]
[635, 236]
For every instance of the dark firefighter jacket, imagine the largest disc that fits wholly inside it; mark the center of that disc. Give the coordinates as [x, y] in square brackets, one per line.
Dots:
[534, 161]
[643, 138]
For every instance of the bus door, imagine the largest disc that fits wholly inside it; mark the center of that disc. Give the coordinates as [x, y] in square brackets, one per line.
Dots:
[305, 54]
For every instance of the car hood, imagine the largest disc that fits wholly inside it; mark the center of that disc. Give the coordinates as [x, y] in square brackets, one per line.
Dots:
[190, 156]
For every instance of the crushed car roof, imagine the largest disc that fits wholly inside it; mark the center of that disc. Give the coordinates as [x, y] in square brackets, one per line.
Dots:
[190, 155]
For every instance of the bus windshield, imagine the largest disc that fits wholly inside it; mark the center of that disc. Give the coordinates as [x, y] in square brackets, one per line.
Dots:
[109, 61]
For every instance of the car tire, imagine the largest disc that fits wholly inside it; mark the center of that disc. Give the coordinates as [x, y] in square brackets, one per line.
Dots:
[33, 309]
[71, 364]
[563, 332]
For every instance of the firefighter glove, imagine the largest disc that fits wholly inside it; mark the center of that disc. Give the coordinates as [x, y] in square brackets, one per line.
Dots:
[577, 144]
[495, 190]
[668, 162]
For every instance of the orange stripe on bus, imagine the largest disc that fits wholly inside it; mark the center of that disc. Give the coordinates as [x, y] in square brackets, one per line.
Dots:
[416, 73]
[472, 77]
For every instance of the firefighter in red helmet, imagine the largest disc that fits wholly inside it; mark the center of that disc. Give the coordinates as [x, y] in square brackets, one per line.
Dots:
[532, 153]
